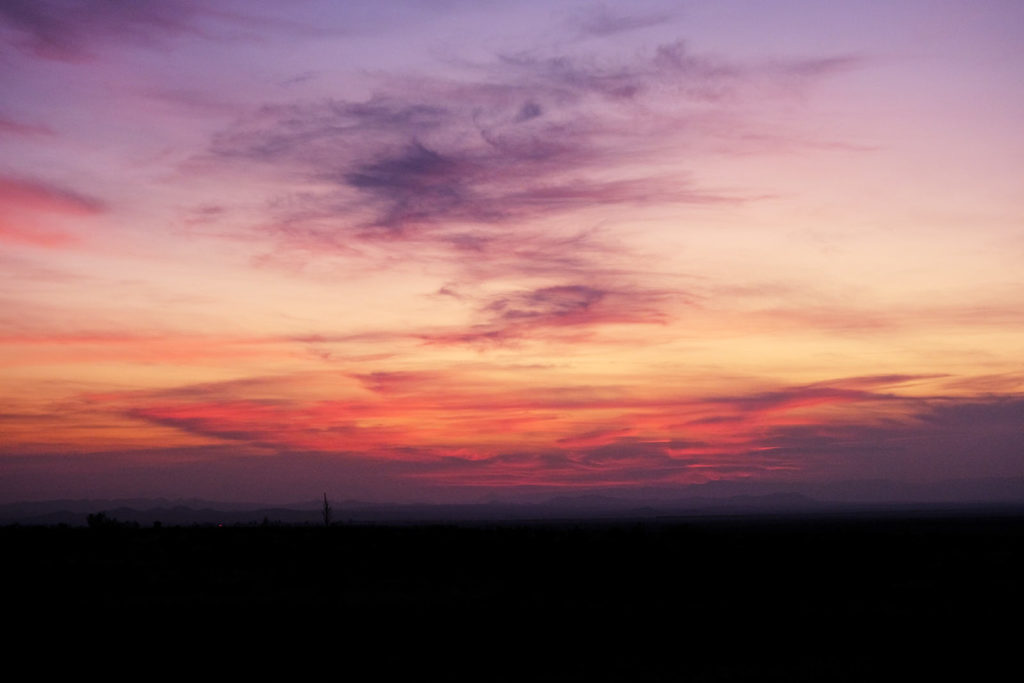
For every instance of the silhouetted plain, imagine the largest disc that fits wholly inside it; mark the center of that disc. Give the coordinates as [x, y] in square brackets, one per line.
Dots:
[726, 599]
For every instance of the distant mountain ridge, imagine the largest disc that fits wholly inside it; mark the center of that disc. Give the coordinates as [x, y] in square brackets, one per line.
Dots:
[709, 499]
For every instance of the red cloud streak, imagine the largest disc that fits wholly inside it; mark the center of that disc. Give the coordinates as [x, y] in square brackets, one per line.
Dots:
[468, 434]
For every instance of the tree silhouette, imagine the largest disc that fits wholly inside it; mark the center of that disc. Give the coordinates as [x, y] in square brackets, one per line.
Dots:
[100, 520]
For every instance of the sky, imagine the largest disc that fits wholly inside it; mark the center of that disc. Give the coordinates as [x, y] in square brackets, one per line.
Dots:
[451, 251]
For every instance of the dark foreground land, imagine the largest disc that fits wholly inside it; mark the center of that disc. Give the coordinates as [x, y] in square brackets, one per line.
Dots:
[815, 599]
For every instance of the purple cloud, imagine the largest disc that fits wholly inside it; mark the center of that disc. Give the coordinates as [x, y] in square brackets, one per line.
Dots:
[526, 137]
[444, 168]
[600, 20]
[564, 311]
[939, 438]
[68, 30]
[9, 126]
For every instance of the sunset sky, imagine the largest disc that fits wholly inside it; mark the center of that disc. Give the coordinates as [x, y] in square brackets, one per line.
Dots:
[458, 250]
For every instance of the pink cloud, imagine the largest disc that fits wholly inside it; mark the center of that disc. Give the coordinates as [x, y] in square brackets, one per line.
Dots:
[461, 431]
[455, 430]
[17, 128]
[38, 196]
[25, 204]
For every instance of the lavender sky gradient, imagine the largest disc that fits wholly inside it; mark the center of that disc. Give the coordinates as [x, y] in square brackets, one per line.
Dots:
[454, 250]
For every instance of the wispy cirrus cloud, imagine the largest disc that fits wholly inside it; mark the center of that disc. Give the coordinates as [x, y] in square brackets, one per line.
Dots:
[510, 316]
[79, 31]
[459, 430]
[154, 347]
[37, 195]
[504, 170]
[25, 204]
[602, 20]
[521, 138]
[69, 30]
[453, 428]
[9, 126]
[519, 245]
